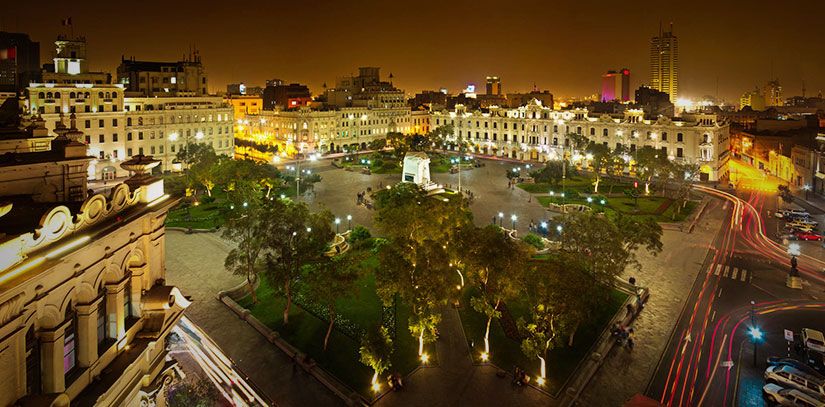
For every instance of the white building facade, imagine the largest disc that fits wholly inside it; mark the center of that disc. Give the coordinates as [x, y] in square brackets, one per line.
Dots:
[538, 133]
[118, 127]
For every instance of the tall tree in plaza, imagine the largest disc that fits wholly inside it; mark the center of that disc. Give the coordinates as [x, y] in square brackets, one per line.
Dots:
[608, 245]
[442, 137]
[194, 153]
[375, 351]
[245, 177]
[421, 233]
[243, 227]
[203, 168]
[294, 237]
[330, 279]
[600, 162]
[399, 143]
[617, 163]
[495, 264]
[650, 163]
[683, 174]
[578, 142]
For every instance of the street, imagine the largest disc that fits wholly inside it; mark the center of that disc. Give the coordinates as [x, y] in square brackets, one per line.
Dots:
[740, 297]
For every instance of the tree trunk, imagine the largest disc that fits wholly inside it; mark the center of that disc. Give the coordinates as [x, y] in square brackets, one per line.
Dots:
[487, 335]
[252, 292]
[572, 334]
[596, 186]
[421, 342]
[288, 302]
[209, 191]
[331, 310]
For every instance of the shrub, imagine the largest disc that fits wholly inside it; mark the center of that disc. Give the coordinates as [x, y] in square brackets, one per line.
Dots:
[378, 163]
[207, 199]
[359, 234]
[534, 240]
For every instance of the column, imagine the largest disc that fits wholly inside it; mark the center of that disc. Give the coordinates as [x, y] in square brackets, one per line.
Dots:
[87, 332]
[138, 273]
[51, 360]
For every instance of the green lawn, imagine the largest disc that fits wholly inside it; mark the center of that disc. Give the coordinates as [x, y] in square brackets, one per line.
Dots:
[657, 207]
[201, 216]
[577, 184]
[306, 332]
[506, 353]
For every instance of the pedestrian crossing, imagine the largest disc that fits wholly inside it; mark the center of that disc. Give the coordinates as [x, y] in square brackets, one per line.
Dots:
[733, 273]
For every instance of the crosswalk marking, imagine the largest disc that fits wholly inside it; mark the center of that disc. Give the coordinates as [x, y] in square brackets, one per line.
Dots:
[718, 269]
[744, 275]
[735, 273]
[727, 271]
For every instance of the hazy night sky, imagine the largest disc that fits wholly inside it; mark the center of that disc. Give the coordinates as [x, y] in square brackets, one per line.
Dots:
[560, 46]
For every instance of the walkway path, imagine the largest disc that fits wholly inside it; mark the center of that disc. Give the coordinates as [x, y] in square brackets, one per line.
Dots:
[455, 381]
[669, 277]
[195, 264]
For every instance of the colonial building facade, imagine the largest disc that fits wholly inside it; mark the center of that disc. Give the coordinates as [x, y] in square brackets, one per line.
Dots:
[117, 127]
[539, 133]
[84, 308]
[325, 131]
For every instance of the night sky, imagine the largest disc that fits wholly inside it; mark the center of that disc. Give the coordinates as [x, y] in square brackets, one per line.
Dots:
[560, 46]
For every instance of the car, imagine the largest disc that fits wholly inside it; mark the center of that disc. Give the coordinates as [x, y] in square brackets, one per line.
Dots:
[803, 222]
[791, 377]
[777, 394]
[800, 227]
[803, 235]
[792, 213]
[780, 361]
[813, 339]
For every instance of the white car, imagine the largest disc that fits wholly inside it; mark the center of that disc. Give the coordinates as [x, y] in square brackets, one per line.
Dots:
[792, 213]
[813, 340]
[790, 397]
[791, 377]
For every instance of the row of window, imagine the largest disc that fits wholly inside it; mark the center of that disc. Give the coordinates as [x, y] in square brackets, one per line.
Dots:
[78, 95]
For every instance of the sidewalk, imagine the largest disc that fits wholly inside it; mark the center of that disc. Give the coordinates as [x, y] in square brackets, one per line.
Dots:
[669, 277]
[195, 265]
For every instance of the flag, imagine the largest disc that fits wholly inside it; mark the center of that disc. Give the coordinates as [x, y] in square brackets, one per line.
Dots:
[66, 21]
[8, 53]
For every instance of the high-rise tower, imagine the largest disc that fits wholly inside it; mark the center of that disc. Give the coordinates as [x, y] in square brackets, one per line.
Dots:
[664, 63]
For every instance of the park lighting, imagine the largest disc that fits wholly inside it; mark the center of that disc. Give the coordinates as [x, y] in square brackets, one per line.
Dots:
[376, 387]
[309, 230]
[589, 199]
[588, 156]
[349, 222]
[544, 225]
[558, 228]
[245, 204]
[514, 218]
[485, 356]
[603, 202]
[540, 381]
[552, 193]
[425, 358]
[276, 159]
[337, 222]
[283, 196]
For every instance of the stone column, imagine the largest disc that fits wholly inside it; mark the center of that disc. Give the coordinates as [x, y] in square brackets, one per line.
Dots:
[115, 323]
[87, 333]
[51, 360]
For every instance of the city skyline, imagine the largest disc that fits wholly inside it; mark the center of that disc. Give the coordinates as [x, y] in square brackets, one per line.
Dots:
[311, 45]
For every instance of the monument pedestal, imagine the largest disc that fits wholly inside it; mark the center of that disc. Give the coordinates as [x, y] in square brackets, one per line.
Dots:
[794, 282]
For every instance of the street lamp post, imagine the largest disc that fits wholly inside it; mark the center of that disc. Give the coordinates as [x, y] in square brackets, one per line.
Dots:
[500, 219]
[349, 222]
[337, 222]
[514, 218]
[806, 188]
[754, 332]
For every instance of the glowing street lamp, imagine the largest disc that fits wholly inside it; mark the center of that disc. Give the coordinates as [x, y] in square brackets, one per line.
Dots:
[349, 222]
[514, 218]
[337, 222]
[500, 218]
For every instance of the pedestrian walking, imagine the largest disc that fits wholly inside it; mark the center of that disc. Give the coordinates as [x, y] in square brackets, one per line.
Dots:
[630, 343]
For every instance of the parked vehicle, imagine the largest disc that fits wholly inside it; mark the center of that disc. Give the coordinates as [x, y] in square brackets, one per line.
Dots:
[793, 213]
[790, 397]
[803, 222]
[802, 235]
[790, 377]
[800, 227]
[813, 339]
[779, 361]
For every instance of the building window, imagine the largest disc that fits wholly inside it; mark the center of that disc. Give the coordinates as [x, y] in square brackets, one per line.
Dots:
[679, 152]
[88, 124]
[129, 152]
[592, 131]
[100, 123]
[604, 132]
[114, 137]
[101, 138]
[32, 362]
[128, 136]
[101, 323]
[152, 150]
[140, 135]
[664, 136]
[70, 342]
[679, 137]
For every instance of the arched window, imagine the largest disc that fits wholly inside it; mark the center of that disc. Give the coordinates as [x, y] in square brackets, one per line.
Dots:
[592, 131]
[87, 95]
[101, 320]
[100, 95]
[57, 95]
[70, 342]
[71, 95]
[108, 95]
[32, 362]
[41, 95]
[604, 132]
[49, 95]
